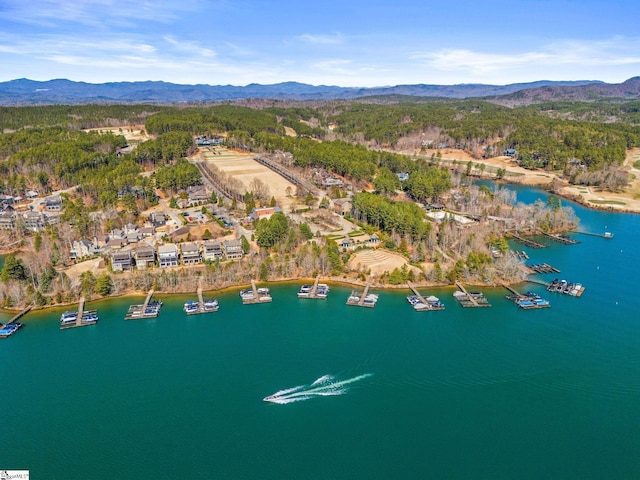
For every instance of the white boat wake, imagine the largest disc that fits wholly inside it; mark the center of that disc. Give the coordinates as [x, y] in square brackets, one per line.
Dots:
[324, 386]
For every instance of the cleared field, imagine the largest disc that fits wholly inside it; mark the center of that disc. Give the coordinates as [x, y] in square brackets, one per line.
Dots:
[377, 261]
[245, 169]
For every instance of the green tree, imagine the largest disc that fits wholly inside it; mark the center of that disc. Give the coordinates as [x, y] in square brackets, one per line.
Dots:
[104, 285]
[13, 269]
[245, 244]
[87, 283]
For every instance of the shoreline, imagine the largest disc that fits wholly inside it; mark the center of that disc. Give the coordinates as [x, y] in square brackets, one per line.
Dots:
[228, 289]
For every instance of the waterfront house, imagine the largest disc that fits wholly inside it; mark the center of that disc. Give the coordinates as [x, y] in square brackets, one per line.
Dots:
[190, 253]
[121, 261]
[168, 255]
[145, 256]
[232, 249]
[212, 250]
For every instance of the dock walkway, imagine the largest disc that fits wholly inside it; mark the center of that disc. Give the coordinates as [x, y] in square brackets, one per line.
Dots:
[542, 268]
[12, 326]
[317, 290]
[195, 308]
[83, 317]
[149, 309]
[527, 242]
[560, 238]
[526, 301]
[255, 295]
[467, 300]
[421, 304]
[364, 299]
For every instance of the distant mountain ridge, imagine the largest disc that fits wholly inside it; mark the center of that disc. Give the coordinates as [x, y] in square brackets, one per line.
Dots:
[61, 91]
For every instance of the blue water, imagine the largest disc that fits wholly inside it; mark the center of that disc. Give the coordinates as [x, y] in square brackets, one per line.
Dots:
[460, 393]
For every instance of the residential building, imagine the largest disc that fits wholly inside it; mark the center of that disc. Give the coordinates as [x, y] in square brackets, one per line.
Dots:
[33, 221]
[212, 250]
[168, 255]
[190, 253]
[83, 248]
[198, 194]
[121, 261]
[158, 218]
[265, 212]
[53, 203]
[7, 219]
[232, 249]
[145, 256]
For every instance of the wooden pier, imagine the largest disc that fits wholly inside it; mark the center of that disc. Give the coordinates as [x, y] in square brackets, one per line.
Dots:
[21, 314]
[83, 317]
[360, 299]
[317, 290]
[421, 304]
[467, 299]
[255, 295]
[560, 238]
[201, 306]
[542, 268]
[148, 309]
[527, 242]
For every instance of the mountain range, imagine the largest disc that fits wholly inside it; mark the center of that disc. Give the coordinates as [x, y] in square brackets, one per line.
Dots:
[61, 91]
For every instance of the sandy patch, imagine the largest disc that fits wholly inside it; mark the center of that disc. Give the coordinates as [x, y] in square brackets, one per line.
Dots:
[133, 133]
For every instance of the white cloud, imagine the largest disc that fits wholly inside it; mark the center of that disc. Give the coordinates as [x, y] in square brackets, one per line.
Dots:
[332, 39]
[581, 54]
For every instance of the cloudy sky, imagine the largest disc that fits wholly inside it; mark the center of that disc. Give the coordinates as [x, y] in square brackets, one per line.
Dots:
[346, 42]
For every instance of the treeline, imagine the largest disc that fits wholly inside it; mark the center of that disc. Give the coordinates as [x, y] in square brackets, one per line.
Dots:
[74, 117]
[391, 217]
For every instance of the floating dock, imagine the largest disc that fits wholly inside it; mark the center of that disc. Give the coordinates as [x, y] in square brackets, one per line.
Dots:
[568, 288]
[317, 290]
[364, 299]
[542, 268]
[9, 329]
[149, 309]
[470, 299]
[12, 326]
[81, 318]
[528, 242]
[422, 304]
[528, 300]
[255, 295]
[608, 235]
[201, 306]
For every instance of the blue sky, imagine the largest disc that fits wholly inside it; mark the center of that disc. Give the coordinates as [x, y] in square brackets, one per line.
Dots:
[348, 42]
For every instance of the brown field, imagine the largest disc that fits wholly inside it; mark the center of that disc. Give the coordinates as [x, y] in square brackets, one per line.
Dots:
[242, 166]
[377, 261]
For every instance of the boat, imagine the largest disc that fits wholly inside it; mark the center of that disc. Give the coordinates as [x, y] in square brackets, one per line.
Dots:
[68, 317]
[89, 317]
[263, 291]
[246, 294]
[210, 305]
[191, 306]
[305, 290]
[9, 329]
